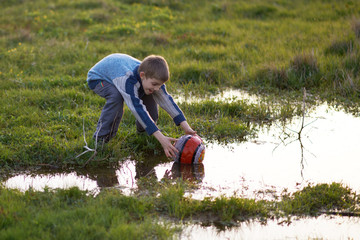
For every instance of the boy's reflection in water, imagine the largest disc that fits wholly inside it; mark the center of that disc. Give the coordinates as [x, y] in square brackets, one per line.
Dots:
[106, 177]
[145, 168]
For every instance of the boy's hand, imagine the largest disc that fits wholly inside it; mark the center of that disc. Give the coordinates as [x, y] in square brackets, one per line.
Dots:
[166, 143]
[187, 129]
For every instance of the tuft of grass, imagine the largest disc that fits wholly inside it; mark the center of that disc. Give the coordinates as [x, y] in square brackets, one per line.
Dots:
[322, 198]
[305, 68]
[273, 76]
[235, 209]
[303, 71]
[196, 73]
[259, 11]
[355, 24]
[352, 64]
[341, 47]
[172, 201]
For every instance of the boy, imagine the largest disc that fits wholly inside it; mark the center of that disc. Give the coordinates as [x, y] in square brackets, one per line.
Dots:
[119, 78]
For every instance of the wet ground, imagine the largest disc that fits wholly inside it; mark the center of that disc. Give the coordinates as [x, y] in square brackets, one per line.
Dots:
[277, 159]
[328, 151]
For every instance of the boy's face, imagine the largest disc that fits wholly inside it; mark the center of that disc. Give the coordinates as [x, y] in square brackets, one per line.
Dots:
[150, 85]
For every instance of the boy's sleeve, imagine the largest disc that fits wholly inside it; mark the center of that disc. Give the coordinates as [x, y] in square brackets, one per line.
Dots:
[166, 102]
[128, 88]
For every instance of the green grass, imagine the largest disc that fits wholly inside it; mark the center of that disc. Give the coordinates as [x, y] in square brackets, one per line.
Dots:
[273, 48]
[313, 200]
[270, 47]
[74, 214]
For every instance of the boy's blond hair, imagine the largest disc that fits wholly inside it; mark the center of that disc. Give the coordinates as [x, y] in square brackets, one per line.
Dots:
[156, 67]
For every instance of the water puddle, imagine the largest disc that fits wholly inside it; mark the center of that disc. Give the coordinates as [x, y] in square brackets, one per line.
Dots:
[228, 95]
[328, 151]
[323, 227]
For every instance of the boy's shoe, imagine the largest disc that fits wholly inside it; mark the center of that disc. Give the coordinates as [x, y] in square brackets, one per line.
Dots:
[142, 132]
[103, 139]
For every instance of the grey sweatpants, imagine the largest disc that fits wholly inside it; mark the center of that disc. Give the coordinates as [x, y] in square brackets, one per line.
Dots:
[113, 109]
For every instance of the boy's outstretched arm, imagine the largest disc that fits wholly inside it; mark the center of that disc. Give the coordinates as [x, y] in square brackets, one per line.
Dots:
[187, 129]
[166, 143]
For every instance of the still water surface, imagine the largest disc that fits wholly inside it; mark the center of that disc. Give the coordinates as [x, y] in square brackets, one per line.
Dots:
[328, 151]
[323, 227]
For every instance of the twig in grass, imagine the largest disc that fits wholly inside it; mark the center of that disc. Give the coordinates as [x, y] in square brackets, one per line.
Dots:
[88, 149]
[299, 132]
[132, 179]
[303, 112]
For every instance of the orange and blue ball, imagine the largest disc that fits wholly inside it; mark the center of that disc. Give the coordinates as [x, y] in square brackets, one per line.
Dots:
[191, 149]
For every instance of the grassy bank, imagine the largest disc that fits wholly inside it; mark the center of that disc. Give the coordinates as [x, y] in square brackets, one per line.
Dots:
[74, 214]
[270, 47]
[273, 48]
